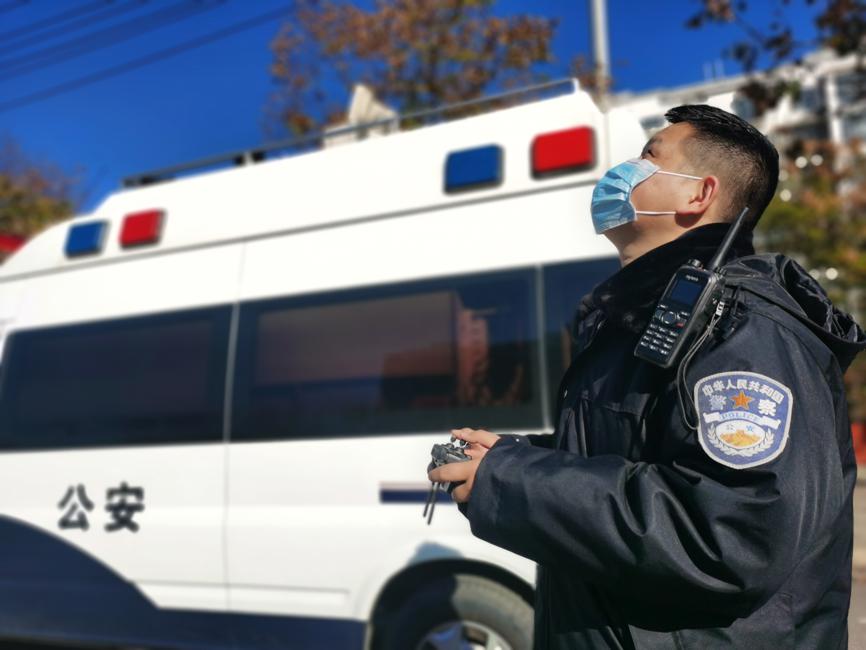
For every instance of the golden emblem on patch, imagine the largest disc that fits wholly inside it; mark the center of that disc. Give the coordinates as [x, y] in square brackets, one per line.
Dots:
[743, 417]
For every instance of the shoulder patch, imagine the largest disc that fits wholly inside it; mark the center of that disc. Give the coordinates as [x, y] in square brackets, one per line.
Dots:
[743, 417]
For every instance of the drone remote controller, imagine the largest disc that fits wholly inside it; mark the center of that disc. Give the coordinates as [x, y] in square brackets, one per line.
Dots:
[442, 454]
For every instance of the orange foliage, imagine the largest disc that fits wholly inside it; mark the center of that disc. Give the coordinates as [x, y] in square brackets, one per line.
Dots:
[413, 54]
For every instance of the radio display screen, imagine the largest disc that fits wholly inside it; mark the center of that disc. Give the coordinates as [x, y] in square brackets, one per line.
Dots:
[685, 292]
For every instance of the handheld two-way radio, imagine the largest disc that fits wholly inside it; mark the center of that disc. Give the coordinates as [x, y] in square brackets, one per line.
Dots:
[690, 299]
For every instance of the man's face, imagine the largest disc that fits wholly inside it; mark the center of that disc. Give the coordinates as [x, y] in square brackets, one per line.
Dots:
[661, 192]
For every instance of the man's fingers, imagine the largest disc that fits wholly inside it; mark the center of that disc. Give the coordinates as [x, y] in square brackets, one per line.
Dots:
[453, 472]
[482, 437]
[475, 451]
[460, 494]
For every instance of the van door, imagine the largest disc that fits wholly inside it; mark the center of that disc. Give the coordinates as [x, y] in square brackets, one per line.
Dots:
[112, 453]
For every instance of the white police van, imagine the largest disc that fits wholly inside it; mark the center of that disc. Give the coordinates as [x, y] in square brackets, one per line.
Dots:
[219, 391]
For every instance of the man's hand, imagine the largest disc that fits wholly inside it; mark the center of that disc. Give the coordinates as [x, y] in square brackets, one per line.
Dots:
[478, 442]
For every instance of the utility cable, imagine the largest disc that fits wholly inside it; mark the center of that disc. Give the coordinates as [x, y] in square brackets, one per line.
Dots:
[12, 6]
[50, 20]
[65, 28]
[88, 43]
[160, 55]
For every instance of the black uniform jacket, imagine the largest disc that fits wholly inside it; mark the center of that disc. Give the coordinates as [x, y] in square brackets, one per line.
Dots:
[643, 538]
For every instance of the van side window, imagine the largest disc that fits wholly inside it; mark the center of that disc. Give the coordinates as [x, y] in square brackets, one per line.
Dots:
[136, 381]
[564, 286]
[425, 356]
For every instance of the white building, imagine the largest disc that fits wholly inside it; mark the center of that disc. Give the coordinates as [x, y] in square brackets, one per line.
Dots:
[826, 106]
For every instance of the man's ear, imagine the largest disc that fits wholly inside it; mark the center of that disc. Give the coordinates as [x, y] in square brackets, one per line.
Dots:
[702, 198]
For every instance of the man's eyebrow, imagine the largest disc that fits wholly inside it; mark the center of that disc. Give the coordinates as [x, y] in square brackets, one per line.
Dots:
[653, 140]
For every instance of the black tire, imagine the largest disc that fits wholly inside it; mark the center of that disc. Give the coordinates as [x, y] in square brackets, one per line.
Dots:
[480, 604]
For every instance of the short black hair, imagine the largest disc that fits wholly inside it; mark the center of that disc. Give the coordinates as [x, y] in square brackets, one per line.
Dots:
[746, 162]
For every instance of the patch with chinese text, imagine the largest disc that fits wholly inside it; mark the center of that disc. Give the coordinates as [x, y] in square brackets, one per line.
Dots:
[743, 417]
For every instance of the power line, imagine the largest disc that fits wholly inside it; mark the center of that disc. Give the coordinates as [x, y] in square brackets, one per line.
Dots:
[141, 62]
[93, 41]
[12, 6]
[79, 40]
[63, 15]
[84, 21]
[107, 37]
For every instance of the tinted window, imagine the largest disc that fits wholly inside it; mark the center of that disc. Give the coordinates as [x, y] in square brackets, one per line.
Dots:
[134, 381]
[417, 357]
[564, 286]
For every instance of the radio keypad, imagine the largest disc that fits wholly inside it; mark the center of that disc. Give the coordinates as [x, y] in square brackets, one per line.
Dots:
[661, 334]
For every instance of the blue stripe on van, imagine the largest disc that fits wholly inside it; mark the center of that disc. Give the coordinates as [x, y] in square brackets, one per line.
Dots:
[392, 495]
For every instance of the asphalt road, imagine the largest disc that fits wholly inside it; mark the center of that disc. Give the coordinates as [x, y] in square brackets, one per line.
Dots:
[856, 624]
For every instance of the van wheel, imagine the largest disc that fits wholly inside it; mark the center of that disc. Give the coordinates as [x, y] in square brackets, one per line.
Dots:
[461, 612]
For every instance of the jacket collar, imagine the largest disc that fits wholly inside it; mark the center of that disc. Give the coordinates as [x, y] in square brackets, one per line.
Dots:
[628, 298]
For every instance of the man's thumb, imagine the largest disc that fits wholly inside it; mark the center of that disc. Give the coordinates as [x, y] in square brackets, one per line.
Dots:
[480, 436]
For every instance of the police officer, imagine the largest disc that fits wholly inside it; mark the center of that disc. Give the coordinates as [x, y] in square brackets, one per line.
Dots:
[709, 511]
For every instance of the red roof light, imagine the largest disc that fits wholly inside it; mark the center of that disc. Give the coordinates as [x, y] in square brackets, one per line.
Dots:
[561, 152]
[141, 228]
[10, 243]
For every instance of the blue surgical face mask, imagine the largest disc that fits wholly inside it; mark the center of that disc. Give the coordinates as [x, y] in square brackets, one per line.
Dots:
[611, 198]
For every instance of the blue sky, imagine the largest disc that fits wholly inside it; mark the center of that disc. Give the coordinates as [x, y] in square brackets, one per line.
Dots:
[211, 99]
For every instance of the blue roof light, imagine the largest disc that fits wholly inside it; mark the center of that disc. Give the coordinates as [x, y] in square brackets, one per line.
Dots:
[85, 238]
[473, 168]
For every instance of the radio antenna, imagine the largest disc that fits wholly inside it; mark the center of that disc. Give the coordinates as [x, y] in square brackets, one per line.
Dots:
[720, 255]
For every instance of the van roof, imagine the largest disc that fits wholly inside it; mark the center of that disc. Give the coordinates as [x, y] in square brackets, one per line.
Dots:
[373, 179]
